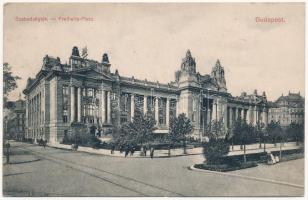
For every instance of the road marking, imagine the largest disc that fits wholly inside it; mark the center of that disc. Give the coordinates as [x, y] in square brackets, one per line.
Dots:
[248, 177]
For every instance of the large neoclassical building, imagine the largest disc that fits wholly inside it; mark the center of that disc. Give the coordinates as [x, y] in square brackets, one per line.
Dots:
[87, 92]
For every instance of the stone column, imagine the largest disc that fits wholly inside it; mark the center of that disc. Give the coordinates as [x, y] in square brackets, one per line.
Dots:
[26, 118]
[245, 115]
[230, 117]
[236, 113]
[103, 106]
[214, 110]
[208, 118]
[250, 115]
[265, 116]
[132, 106]
[72, 103]
[225, 114]
[242, 113]
[108, 107]
[256, 116]
[218, 110]
[145, 104]
[79, 105]
[156, 111]
[177, 107]
[167, 112]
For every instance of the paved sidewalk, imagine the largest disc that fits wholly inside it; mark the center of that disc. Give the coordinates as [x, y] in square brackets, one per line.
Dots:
[107, 152]
[254, 148]
[250, 149]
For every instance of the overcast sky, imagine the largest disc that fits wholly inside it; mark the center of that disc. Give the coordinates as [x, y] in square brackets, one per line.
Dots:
[150, 40]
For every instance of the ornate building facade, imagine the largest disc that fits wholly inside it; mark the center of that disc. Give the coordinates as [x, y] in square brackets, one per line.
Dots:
[287, 109]
[86, 92]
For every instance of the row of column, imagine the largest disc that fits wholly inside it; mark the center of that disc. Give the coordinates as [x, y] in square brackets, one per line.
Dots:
[34, 108]
[252, 115]
[106, 106]
[76, 109]
[145, 99]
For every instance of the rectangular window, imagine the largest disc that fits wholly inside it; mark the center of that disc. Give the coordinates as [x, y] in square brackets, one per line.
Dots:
[90, 92]
[65, 90]
[64, 118]
[162, 111]
[123, 119]
[65, 93]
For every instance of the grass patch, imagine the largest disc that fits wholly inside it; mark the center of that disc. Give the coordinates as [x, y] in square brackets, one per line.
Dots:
[225, 167]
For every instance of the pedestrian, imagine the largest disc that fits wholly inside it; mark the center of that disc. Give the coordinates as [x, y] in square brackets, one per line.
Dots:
[141, 151]
[152, 152]
[44, 143]
[7, 145]
[126, 151]
[121, 149]
[145, 150]
[132, 150]
[112, 148]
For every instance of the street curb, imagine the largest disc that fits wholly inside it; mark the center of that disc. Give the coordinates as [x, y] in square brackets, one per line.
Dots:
[192, 167]
[122, 156]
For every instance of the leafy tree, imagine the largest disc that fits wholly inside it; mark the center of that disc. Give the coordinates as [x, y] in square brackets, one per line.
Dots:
[217, 147]
[274, 131]
[171, 138]
[260, 133]
[216, 129]
[214, 150]
[9, 81]
[229, 137]
[81, 136]
[296, 132]
[242, 132]
[138, 131]
[179, 128]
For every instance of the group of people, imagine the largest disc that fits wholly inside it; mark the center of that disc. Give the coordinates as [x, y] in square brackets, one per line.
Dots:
[42, 143]
[130, 149]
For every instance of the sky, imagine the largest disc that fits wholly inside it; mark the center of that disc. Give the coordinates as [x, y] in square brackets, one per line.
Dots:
[149, 41]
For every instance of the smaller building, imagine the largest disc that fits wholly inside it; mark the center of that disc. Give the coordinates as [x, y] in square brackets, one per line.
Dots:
[287, 109]
[15, 119]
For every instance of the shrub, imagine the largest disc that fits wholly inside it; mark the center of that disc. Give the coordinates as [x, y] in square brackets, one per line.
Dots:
[86, 139]
[94, 142]
[225, 167]
[215, 150]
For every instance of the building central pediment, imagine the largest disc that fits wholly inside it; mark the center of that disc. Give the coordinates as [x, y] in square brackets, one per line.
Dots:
[93, 74]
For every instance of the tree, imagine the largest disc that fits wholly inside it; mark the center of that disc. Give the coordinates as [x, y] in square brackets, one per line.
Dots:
[179, 128]
[214, 150]
[138, 131]
[259, 131]
[9, 81]
[217, 147]
[216, 129]
[242, 132]
[171, 138]
[274, 131]
[295, 132]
